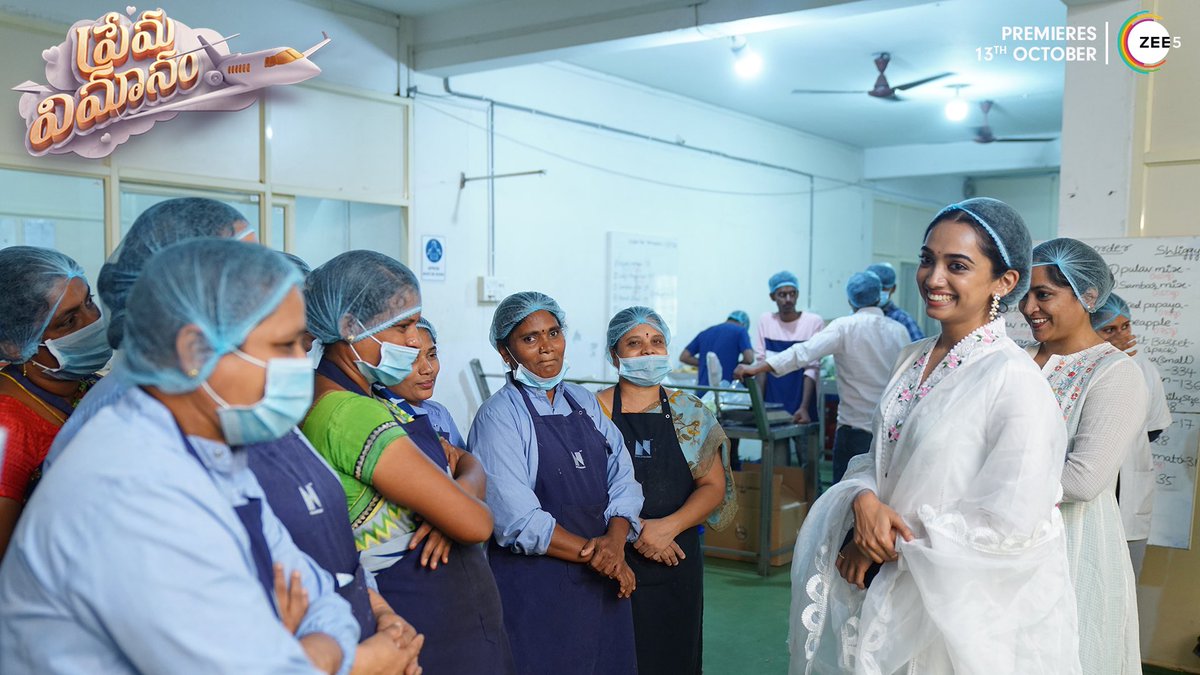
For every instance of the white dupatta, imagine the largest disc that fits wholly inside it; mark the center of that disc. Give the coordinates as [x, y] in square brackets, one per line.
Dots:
[984, 586]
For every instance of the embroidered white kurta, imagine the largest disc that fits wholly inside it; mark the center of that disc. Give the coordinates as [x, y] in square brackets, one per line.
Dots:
[973, 468]
[1103, 398]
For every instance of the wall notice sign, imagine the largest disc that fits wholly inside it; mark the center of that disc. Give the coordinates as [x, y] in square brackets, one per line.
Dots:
[116, 76]
[433, 258]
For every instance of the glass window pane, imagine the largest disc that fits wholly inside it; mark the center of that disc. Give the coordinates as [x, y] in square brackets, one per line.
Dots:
[274, 237]
[327, 227]
[53, 211]
[135, 199]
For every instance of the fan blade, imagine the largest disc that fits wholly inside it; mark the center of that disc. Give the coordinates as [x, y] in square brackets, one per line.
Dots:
[828, 91]
[1023, 140]
[917, 83]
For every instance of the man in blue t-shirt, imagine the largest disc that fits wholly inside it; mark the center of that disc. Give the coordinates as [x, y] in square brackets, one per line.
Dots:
[730, 341]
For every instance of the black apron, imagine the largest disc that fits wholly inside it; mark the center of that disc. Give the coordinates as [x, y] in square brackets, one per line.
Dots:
[668, 605]
[308, 498]
[564, 617]
[456, 606]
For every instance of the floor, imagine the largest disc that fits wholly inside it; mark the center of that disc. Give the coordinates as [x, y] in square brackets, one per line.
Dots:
[746, 620]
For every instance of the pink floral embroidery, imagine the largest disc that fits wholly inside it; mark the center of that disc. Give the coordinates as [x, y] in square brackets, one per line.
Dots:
[906, 395]
[893, 434]
[952, 360]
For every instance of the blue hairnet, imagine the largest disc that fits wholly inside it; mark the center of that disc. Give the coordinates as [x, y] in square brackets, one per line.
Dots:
[632, 317]
[740, 317]
[1005, 229]
[863, 289]
[783, 278]
[424, 323]
[885, 272]
[1112, 308]
[159, 226]
[296, 260]
[33, 281]
[515, 308]
[358, 294]
[1083, 268]
[225, 288]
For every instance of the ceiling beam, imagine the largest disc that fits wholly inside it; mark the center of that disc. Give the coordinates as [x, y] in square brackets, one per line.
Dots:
[520, 32]
[967, 158]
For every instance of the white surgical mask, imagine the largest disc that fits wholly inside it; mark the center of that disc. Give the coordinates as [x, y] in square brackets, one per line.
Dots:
[286, 400]
[529, 379]
[645, 371]
[81, 353]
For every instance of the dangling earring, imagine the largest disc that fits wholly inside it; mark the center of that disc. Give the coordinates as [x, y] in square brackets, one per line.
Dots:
[995, 310]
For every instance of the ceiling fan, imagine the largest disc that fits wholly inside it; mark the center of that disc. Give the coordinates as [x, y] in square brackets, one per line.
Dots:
[984, 133]
[881, 89]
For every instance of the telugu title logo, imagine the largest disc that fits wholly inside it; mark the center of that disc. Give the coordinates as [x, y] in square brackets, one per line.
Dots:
[1144, 42]
[117, 76]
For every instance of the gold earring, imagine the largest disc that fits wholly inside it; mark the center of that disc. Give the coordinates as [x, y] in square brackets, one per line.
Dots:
[995, 310]
[193, 372]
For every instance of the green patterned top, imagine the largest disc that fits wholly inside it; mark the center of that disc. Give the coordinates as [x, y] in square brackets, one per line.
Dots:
[351, 431]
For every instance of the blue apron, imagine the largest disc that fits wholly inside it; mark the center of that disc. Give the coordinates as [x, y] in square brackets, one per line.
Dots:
[787, 390]
[250, 514]
[668, 605]
[564, 617]
[456, 606]
[308, 498]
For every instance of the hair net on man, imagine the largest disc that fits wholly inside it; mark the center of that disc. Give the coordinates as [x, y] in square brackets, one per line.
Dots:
[33, 282]
[781, 279]
[1006, 229]
[1084, 268]
[225, 288]
[424, 323]
[1112, 308]
[358, 294]
[885, 272]
[740, 317]
[632, 317]
[515, 308]
[159, 226]
[863, 289]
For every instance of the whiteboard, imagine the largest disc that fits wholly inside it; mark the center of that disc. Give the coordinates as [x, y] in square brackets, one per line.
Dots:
[643, 270]
[1159, 278]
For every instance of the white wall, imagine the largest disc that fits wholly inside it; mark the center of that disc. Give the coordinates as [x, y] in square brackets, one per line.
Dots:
[1034, 197]
[551, 230]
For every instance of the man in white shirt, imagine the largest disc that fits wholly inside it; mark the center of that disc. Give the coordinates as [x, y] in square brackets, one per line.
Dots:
[865, 346]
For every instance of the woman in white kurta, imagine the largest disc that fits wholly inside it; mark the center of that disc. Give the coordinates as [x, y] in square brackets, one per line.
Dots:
[1103, 399]
[953, 510]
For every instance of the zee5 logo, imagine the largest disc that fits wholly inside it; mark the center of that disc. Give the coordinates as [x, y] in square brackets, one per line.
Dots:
[1144, 42]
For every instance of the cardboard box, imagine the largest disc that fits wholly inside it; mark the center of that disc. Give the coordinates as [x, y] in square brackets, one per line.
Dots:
[789, 508]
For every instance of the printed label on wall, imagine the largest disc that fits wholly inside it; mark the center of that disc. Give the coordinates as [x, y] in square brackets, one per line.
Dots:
[433, 258]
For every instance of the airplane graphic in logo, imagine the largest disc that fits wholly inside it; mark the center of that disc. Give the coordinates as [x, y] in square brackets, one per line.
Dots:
[245, 72]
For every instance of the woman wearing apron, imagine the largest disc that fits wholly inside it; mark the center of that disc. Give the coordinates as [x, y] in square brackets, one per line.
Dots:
[562, 491]
[415, 393]
[681, 458]
[148, 548]
[416, 511]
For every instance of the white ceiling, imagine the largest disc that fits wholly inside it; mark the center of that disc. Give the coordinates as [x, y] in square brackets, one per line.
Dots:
[837, 54]
[423, 7]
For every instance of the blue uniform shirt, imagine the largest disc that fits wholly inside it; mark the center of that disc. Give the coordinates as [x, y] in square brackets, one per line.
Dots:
[503, 439]
[894, 313]
[728, 340]
[109, 389]
[131, 559]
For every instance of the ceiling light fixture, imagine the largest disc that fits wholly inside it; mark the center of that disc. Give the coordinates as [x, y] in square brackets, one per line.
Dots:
[957, 108]
[746, 62]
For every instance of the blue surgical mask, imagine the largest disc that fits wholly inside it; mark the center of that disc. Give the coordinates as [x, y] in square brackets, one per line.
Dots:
[395, 363]
[81, 353]
[884, 297]
[527, 378]
[286, 400]
[645, 371]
